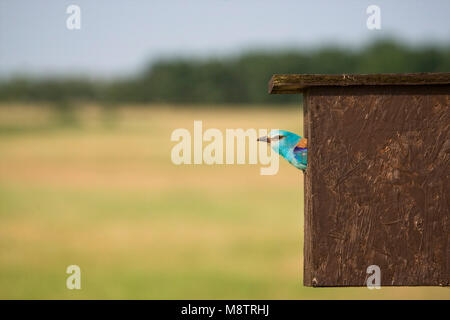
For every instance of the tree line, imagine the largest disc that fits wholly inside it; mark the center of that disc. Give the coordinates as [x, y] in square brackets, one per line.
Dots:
[228, 80]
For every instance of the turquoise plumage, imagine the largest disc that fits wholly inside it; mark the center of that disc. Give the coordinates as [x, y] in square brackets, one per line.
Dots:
[290, 146]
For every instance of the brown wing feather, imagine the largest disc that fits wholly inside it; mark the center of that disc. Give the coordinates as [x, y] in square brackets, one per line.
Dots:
[303, 143]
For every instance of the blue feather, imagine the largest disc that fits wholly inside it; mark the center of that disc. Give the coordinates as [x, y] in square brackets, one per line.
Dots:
[290, 146]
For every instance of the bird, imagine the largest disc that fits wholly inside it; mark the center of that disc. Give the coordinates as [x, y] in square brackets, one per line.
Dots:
[290, 146]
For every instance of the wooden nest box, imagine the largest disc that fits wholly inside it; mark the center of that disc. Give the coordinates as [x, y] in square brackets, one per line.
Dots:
[377, 187]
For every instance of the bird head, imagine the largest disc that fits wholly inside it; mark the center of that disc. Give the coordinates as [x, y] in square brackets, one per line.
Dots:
[290, 146]
[281, 141]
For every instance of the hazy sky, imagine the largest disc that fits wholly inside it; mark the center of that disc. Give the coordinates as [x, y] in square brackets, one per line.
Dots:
[120, 36]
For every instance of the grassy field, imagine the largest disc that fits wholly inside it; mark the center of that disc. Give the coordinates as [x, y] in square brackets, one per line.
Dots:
[101, 192]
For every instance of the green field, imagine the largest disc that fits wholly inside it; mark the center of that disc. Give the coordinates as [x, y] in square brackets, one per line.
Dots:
[99, 190]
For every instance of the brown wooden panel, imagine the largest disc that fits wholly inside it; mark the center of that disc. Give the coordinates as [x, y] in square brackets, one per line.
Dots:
[377, 186]
[296, 83]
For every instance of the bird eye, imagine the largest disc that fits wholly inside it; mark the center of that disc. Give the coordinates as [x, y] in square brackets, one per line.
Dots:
[277, 137]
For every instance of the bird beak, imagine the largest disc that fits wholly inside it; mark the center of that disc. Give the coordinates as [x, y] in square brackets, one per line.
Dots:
[265, 139]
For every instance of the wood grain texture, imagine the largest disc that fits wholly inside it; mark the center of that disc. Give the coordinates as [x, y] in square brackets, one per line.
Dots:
[377, 186]
[297, 83]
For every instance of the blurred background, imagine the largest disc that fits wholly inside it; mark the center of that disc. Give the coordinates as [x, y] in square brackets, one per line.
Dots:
[85, 122]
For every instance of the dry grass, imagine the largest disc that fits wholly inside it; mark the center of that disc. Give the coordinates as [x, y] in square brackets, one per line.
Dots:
[104, 195]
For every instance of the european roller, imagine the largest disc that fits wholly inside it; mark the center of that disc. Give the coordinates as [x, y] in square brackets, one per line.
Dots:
[290, 146]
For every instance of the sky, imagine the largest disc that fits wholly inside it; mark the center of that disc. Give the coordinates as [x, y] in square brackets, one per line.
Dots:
[120, 37]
